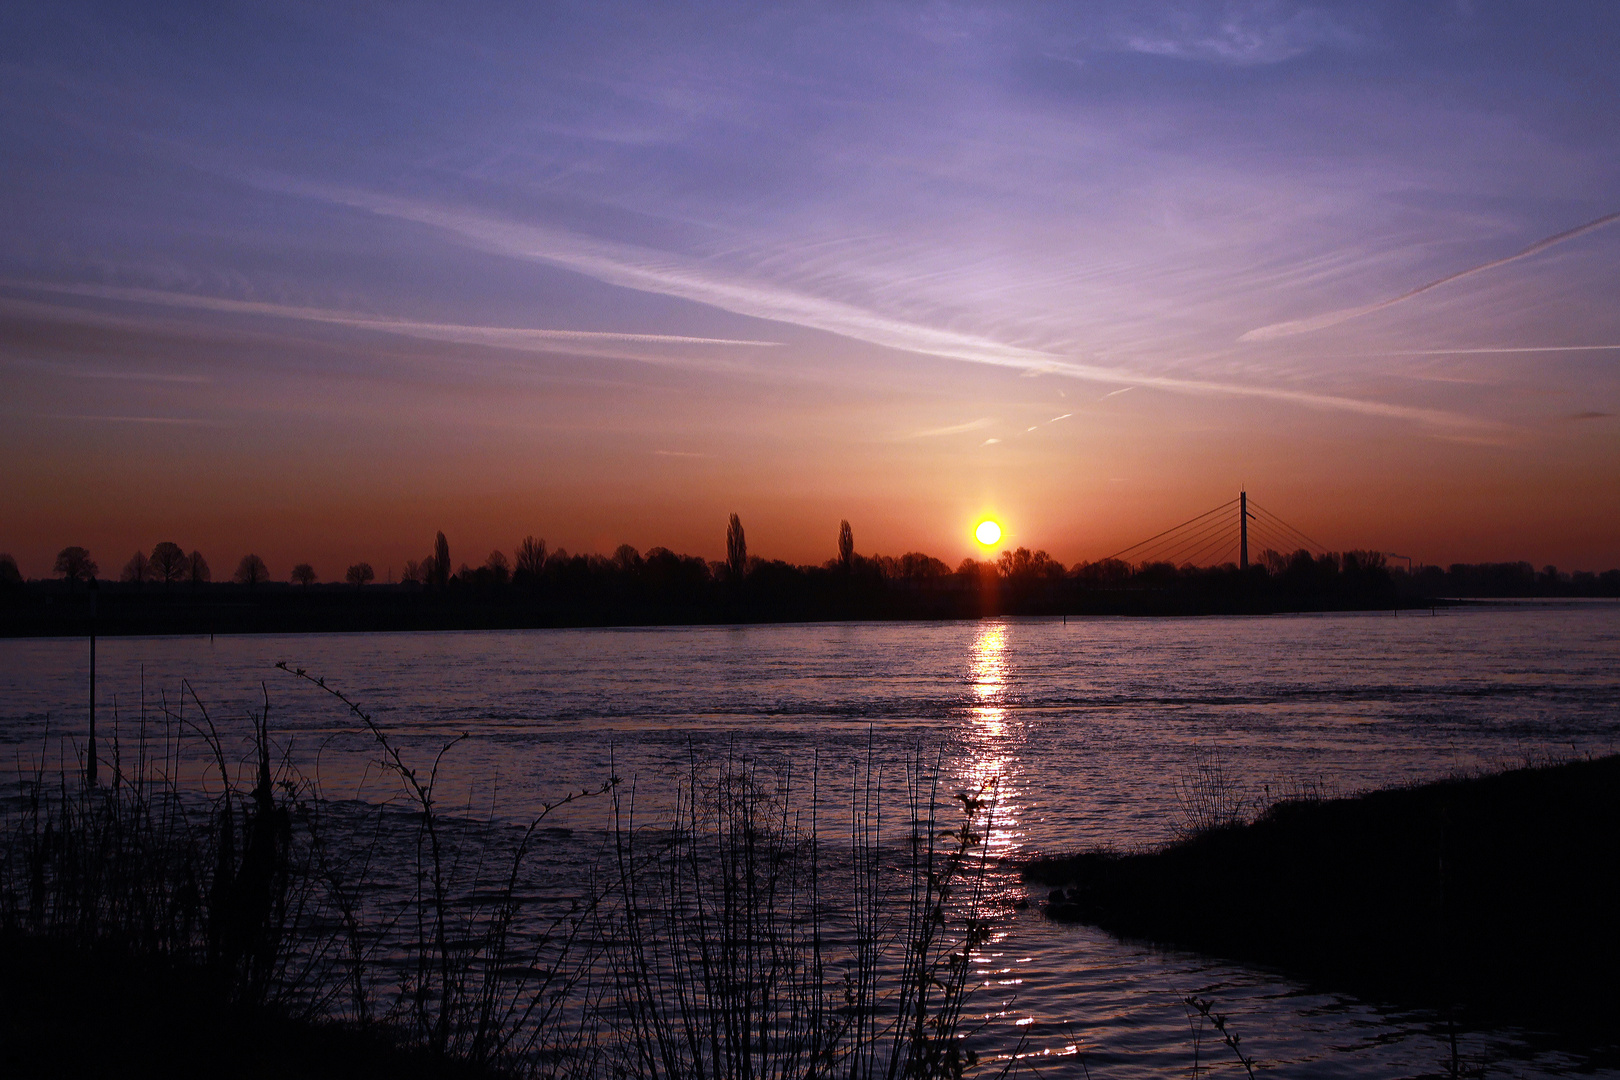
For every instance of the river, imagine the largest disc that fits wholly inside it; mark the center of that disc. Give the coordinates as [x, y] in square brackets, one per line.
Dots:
[1092, 730]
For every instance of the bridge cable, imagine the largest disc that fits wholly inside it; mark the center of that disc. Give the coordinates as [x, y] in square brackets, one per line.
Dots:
[1155, 548]
[1167, 532]
[1313, 543]
[1219, 543]
[1288, 528]
[1217, 533]
[1279, 521]
[1272, 538]
[1168, 549]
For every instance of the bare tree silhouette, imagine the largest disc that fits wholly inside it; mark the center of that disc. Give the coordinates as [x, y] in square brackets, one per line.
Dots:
[736, 548]
[441, 560]
[531, 557]
[75, 564]
[9, 573]
[1022, 563]
[359, 574]
[304, 574]
[137, 570]
[251, 571]
[499, 569]
[846, 545]
[169, 563]
[626, 558]
[197, 568]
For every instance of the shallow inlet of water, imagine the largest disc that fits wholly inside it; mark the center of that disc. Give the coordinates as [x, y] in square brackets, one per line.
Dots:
[1090, 728]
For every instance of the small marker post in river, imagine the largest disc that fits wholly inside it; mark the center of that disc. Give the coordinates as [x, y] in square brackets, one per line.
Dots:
[90, 749]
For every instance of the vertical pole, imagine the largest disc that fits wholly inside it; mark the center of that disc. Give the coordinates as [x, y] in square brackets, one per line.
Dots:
[90, 755]
[1243, 530]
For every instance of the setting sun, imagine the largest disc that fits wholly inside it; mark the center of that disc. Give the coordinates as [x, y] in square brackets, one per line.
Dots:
[987, 533]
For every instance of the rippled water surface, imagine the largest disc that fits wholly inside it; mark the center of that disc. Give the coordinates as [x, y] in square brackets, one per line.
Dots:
[1090, 728]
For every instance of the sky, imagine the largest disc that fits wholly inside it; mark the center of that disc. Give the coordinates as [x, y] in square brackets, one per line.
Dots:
[316, 281]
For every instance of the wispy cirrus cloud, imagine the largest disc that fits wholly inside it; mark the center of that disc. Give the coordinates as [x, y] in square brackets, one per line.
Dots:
[1334, 318]
[648, 270]
[85, 371]
[952, 429]
[1494, 349]
[180, 421]
[523, 338]
[1237, 33]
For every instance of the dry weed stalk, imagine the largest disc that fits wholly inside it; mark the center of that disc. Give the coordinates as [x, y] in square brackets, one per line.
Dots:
[730, 941]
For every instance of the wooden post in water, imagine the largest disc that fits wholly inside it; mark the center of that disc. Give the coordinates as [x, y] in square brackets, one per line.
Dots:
[90, 755]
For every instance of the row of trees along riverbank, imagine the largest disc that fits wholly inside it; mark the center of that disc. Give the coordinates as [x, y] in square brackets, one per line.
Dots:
[541, 586]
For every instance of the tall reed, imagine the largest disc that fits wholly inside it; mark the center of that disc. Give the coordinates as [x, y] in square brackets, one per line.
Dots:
[206, 877]
[727, 938]
[755, 950]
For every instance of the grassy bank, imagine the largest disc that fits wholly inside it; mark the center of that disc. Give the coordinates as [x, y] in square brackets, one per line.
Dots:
[1496, 893]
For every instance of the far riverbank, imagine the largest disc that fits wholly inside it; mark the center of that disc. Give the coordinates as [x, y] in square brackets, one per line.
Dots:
[51, 609]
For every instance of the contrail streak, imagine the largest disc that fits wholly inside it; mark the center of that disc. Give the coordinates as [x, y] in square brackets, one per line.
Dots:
[953, 429]
[1499, 349]
[182, 420]
[508, 336]
[1334, 318]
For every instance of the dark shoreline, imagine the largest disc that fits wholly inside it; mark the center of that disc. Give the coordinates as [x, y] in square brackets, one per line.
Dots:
[1497, 895]
[151, 611]
[71, 1012]
[666, 589]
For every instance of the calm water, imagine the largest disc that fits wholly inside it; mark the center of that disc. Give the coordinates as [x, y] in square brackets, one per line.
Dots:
[1088, 727]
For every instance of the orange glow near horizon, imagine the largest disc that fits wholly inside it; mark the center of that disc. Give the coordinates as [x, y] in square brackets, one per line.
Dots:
[612, 338]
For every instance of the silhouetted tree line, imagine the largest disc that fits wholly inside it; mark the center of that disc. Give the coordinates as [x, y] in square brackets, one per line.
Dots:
[662, 585]
[538, 585]
[1513, 579]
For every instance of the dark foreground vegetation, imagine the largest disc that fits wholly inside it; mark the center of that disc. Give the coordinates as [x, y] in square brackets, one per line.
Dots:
[71, 1012]
[209, 910]
[170, 592]
[1495, 893]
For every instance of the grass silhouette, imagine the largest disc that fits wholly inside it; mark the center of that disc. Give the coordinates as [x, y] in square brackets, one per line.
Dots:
[205, 904]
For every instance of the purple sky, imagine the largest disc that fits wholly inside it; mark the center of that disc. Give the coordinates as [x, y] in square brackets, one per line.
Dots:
[318, 280]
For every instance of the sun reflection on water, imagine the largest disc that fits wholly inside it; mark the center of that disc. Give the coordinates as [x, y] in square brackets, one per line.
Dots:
[992, 737]
[990, 678]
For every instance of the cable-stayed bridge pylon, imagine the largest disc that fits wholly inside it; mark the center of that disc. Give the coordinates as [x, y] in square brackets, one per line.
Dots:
[1220, 535]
